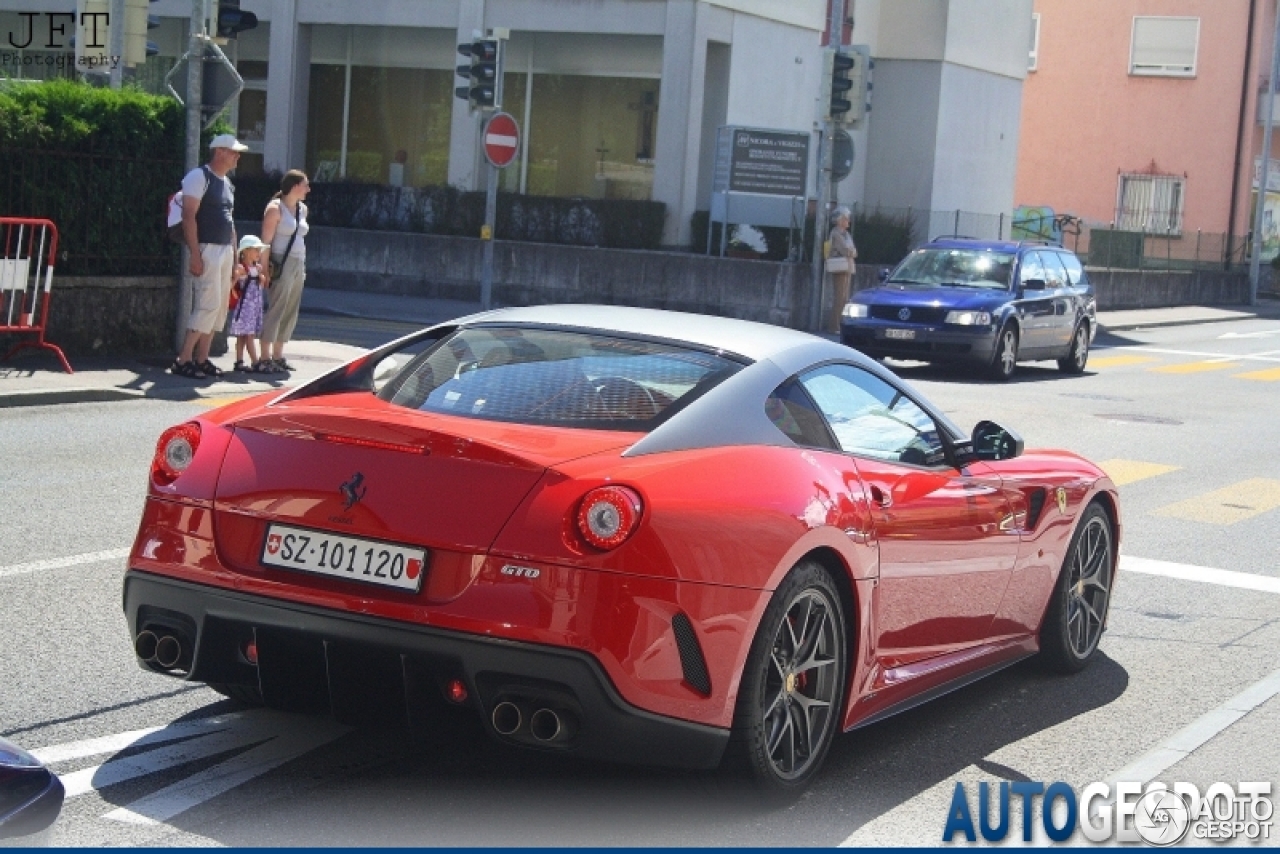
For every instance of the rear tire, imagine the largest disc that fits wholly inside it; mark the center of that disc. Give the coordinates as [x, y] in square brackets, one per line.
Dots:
[791, 696]
[1077, 614]
[1078, 356]
[1004, 361]
[247, 694]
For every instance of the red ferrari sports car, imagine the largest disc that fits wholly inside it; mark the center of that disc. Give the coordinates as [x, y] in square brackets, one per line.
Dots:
[620, 533]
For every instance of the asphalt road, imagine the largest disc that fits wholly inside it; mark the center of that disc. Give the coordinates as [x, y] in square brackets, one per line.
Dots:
[1174, 414]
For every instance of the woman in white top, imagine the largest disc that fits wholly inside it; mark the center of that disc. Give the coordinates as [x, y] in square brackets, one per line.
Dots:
[284, 227]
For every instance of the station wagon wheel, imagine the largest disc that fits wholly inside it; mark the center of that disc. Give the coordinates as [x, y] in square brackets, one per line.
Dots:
[1078, 356]
[1078, 609]
[1004, 361]
[789, 704]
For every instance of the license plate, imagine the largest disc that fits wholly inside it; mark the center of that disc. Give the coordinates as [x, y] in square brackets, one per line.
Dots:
[903, 334]
[352, 558]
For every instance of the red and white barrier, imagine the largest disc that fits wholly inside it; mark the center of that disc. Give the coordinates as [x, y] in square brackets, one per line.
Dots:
[28, 248]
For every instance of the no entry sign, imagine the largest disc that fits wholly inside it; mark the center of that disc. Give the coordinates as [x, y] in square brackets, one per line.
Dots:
[501, 140]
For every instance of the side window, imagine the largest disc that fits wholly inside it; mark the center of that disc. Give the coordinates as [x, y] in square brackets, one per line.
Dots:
[791, 411]
[1075, 270]
[1031, 267]
[1054, 274]
[871, 418]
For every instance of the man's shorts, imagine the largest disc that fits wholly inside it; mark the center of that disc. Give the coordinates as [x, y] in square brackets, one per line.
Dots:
[210, 292]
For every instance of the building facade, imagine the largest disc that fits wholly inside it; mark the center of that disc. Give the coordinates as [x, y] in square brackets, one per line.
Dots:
[1146, 116]
[621, 98]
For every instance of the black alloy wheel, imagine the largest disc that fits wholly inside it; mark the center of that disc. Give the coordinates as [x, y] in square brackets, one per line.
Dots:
[1004, 361]
[1078, 356]
[1077, 611]
[790, 701]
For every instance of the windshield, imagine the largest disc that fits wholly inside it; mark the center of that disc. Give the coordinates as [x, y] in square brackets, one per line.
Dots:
[541, 376]
[966, 268]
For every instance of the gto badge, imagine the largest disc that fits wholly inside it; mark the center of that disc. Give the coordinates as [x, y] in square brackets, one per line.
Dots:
[352, 491]
[521, 571]
[1062, 500]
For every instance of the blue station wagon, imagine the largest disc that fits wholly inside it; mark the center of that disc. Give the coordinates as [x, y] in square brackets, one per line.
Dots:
[986, 302]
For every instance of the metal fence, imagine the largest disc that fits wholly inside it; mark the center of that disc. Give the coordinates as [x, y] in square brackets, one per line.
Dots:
[1097, 244]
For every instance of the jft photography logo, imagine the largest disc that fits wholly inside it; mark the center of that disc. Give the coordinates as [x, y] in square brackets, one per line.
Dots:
[47, 35]
[1156, 813]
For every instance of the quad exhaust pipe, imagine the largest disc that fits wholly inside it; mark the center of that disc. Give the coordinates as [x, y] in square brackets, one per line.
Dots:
[163, 650]
[544, 724]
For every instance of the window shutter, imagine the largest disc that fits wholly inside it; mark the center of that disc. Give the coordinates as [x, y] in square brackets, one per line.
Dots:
[1164, 46]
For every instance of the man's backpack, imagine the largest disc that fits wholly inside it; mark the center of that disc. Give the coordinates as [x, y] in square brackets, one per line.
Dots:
[173, 212]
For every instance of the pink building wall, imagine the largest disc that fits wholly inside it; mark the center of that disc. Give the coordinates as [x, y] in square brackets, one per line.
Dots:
[1085, 119]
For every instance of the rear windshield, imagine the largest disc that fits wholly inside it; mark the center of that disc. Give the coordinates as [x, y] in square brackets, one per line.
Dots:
[968, 268]
[541, 376]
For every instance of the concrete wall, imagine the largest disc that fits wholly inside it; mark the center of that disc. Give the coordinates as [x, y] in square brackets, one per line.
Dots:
[110, 315]
[538, 273]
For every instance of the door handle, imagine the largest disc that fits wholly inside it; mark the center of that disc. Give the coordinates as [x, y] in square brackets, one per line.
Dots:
[880, 497]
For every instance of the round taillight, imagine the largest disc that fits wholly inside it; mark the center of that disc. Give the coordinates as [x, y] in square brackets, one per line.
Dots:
[608, 515]
[175, 451]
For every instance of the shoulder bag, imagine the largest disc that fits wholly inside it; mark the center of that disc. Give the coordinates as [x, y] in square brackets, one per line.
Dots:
[838, 264]
[277, 267]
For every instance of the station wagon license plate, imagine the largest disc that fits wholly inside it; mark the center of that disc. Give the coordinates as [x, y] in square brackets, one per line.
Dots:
[352, 558]
[901, 334]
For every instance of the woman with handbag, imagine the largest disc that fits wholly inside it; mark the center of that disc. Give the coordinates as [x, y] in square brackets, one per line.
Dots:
[841, 254]
[284, 228]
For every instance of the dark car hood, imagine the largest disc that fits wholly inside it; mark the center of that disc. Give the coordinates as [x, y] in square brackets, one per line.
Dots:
[914, 297]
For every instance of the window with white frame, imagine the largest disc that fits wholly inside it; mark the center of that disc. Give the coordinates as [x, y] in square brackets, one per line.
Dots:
[1150, 203]
[1034, 59]
[1164, 47]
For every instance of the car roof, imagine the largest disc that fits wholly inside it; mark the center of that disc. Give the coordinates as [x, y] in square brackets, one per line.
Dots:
[751, 340]
[979, 244]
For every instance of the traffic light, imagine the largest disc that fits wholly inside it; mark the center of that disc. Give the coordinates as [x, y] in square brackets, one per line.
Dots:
[481, 89]
[232, 20]
[836, 85]
[136, 23]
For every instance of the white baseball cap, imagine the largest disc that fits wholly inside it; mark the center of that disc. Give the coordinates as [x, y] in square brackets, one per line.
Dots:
[226, 140]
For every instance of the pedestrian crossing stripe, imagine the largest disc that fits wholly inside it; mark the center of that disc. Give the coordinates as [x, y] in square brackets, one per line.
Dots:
[1195, 367]
[1229, 505]
[1124, 472]
[1269, 375]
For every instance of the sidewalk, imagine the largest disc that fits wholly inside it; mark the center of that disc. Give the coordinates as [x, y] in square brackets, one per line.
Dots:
[33, 378]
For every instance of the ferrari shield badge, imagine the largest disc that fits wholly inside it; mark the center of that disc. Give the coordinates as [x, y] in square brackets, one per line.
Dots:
[1062, 500]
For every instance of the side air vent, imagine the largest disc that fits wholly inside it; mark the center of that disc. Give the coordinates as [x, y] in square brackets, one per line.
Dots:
[691, 660]
[1035, 506]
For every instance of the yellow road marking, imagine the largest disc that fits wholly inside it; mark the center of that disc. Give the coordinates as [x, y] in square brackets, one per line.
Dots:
[1112, 361]
[1228, 505]
[1194, 367]
[221, 400]
[1122, 472]
[1269, 375]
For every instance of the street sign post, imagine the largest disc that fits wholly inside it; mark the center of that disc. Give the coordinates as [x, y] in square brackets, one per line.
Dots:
[501, 140]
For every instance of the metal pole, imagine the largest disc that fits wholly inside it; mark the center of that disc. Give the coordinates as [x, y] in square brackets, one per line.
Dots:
[821, 223]
[195, 95]
[491, 192]
[1255, 259]
[115, 42]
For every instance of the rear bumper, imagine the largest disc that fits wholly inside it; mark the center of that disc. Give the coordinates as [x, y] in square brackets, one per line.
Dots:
[929, 343]
[348, 664]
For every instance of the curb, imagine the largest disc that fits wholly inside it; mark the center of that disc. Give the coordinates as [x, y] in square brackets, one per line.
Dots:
[55, 396]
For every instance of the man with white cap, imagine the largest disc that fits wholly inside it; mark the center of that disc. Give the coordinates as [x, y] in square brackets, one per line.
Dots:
[208, 200]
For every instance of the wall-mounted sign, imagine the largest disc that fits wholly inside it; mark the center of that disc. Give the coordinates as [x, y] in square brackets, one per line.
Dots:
[770, 162]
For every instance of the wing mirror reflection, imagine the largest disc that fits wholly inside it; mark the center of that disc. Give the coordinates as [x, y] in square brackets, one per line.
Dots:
[884, 274]
[993, 442]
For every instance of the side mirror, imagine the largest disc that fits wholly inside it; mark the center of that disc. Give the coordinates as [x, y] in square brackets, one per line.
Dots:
[993, 442]
[1033, 284]
[884, 274]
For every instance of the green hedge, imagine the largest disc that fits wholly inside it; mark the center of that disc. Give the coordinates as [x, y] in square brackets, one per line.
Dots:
[98, 162]
[613, 223]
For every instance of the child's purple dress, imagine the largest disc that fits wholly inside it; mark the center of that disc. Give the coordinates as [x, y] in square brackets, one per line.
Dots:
[246, 317]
